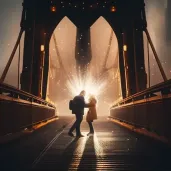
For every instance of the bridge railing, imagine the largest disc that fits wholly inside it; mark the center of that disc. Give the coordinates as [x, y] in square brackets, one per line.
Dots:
[20, 110]
[149, 109]
[11, 91]
[163, 88]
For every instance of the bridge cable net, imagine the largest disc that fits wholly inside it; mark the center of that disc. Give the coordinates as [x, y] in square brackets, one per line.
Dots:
[57, 71]
[108, 71]
[60, 59]
[104, 65]
[105, 69]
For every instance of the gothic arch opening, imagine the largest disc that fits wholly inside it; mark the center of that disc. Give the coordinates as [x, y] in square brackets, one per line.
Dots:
[103, 75]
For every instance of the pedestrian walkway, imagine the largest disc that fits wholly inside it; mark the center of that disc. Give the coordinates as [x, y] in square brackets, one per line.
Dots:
[111, 148]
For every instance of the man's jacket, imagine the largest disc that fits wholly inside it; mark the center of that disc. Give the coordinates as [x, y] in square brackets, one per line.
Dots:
[78, 105]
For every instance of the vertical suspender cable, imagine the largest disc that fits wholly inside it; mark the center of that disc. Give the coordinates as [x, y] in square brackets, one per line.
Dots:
[148, 54]
[19, 56]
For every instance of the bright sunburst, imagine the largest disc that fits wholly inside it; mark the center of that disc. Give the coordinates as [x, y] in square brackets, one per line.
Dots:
[90, 84]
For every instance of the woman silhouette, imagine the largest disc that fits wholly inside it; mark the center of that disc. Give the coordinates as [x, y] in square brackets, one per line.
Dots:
[91, 114]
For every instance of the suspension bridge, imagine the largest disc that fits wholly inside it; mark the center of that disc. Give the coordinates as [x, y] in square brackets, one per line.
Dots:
[136, 133]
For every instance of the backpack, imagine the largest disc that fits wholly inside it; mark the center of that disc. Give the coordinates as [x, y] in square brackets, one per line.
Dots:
[71, 105]
[75, 104]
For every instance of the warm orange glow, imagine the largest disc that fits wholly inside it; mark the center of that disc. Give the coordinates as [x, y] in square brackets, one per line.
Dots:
[42, 48]
[98, 82]
[125, 48]
[53, 9]
[113, 9]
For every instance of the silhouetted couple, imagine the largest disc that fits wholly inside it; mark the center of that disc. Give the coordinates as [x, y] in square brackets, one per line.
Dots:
[78, 110]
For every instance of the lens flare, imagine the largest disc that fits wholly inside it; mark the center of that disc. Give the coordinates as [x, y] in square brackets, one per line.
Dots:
[90, 84]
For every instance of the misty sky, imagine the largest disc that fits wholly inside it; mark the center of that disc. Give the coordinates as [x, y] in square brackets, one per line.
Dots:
[10, 14]
[158, 24]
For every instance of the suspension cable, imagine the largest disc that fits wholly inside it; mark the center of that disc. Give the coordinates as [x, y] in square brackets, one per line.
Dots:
[59, 58]
[155, 55]
[104, 68]
[11, 57]
[114, 65]
[108, 50]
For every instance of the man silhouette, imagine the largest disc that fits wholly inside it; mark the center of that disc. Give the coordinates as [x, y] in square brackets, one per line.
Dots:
[78, 110]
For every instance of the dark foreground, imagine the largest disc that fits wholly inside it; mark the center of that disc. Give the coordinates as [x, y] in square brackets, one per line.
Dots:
[111, 148]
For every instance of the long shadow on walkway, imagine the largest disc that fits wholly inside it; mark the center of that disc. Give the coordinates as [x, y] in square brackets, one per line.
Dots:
[68, 154]
[89, 157]
[58, 161]
[80, 155]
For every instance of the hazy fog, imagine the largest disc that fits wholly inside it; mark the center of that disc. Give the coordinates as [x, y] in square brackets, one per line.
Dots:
[159, 26]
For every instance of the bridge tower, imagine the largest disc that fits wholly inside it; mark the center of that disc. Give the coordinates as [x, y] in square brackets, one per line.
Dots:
[127, 18]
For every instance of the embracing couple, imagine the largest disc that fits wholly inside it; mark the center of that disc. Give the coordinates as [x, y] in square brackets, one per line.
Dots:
[78, 105]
